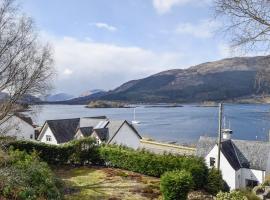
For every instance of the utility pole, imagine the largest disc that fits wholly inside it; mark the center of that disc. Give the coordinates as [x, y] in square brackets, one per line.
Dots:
[220, 115]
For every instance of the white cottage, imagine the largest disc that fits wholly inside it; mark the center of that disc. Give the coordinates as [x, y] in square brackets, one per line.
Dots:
[243, 163]
[108, 131]
[18, 126]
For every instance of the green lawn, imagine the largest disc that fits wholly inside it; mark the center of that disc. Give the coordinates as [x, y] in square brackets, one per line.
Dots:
[98, 183]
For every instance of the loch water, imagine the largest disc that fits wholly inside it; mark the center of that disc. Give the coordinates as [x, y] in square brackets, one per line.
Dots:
[173, 124]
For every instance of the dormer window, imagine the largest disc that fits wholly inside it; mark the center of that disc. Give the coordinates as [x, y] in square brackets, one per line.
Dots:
[48, 138]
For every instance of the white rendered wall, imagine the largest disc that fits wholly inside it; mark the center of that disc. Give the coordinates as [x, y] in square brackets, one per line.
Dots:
[127, 137]
[16, 127]
[228, 173]
[47, 131]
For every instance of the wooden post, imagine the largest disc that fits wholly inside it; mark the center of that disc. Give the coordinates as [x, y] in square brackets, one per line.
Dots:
[220, 114]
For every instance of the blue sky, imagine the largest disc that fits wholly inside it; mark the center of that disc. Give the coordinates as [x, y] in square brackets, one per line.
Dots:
[104, 43]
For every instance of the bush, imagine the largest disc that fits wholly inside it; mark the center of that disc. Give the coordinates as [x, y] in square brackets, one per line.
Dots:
[26, 178]
[175, 185]
[235, 195]
[75, 152]
[152, 164]
[249, 194]
[215, 183]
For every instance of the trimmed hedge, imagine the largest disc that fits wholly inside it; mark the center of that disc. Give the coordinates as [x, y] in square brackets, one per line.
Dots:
[75, 152]
[151, 164]
[175, 185]
[86, 151]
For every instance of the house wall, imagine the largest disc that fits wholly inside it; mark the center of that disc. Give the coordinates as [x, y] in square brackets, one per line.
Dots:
[18, 128]
[47, 131]
[251, 174]
[94, 135]
[127, 137]
[229, 174]
[79, 135]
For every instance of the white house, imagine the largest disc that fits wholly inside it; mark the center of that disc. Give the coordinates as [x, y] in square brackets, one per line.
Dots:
[243, 163]
[19, 126]
[103, 129]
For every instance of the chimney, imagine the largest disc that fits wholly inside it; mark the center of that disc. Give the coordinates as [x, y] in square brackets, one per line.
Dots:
[227, 134]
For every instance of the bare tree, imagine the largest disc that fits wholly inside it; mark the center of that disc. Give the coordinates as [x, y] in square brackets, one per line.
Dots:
[247, 25]
[246, 22]
[26, 64]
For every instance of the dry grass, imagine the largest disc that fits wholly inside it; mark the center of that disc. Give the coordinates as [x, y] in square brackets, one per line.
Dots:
[108, 184]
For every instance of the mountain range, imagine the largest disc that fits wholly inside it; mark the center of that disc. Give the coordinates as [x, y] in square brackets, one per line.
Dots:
[225, 79]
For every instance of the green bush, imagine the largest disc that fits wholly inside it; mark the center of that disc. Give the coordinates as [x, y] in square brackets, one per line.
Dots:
[75, 152]
[235, 195]
[152, 164]
[25, 177]
[175, 185]
[215, 183]
[249, 194]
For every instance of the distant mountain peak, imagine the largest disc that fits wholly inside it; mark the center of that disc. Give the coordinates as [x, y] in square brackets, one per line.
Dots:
[59, 97]
[90, 92]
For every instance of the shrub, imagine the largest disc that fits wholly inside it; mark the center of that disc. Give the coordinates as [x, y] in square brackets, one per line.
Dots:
[26, 178]
[249, 194]
[75, 152]
[175, 185]
[215, 183]
[152, 164]
[235, 195]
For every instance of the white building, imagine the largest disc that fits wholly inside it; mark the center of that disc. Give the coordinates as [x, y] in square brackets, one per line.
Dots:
[17, 126]
[243, 163]
[104, 130]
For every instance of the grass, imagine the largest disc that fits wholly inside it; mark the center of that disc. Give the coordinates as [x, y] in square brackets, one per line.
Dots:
[98, 183]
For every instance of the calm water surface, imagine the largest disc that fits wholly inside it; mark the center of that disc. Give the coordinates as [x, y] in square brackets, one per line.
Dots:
[181, 124]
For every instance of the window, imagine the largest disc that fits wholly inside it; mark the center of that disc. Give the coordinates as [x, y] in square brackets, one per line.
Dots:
[251, 183]
[31, 136]
[48, 138]
[212, 161]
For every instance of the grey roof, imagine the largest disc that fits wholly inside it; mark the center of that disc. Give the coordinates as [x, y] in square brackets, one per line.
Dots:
[102, 133]
[90, 121]
[250, 154]
[64, 130]
[86, 131]
[113, 127]
[228, 150]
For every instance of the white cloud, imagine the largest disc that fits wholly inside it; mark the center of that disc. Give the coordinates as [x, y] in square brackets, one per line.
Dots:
[164, 6]
[105, 26]
[84, 65]
[203, 29]
[67, 72]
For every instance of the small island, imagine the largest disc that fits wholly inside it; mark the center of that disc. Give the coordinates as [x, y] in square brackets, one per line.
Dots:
[106, 104]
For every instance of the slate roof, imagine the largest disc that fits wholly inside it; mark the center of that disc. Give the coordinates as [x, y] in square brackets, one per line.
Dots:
[25, 118]
[248, 154]
[64, 130]
[102, 133]
[228, 150]
[91, 121]
[86, 131]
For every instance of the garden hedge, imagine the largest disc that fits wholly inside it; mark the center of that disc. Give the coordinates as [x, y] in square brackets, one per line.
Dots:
[151, 164]
[75, 152]
[86, 151]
